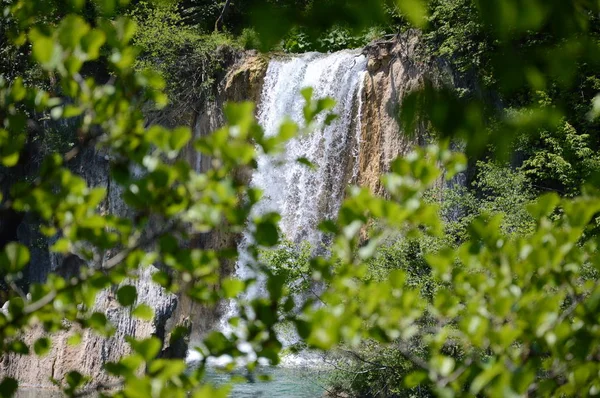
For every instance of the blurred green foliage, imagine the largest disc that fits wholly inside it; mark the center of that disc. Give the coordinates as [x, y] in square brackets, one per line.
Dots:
[499, 301]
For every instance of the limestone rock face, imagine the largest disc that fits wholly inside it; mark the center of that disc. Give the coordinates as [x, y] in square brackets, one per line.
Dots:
[242, 82]
[94, 351]
[394, 70]
[245, 80]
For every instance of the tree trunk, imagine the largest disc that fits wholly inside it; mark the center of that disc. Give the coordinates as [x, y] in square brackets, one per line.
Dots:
[219, 22]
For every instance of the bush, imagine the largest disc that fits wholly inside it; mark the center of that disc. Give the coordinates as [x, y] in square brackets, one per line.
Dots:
[560, 159]
[290, 261]
[335, 39]
[495, 190]
[249, 39]
[374, 370]
[187, 59]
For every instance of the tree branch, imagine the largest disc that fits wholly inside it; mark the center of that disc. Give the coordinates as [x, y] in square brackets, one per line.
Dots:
[219, 22]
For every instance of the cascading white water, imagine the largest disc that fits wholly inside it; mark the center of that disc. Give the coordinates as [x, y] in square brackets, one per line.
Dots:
[305, 196]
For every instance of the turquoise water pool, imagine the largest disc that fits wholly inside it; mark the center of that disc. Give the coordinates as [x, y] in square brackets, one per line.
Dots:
[285, 383]
[299, 382]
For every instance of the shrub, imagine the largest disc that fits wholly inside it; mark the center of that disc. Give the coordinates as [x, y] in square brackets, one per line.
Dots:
[188, 60]
[249, 39]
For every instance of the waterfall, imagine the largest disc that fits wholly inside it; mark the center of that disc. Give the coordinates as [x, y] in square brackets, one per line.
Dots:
[305, 196]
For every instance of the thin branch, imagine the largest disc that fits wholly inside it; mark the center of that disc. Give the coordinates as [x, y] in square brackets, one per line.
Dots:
[221, 18]
[578, 300]
[119, 257]
[354, 372]
[112, 262]
[357, 356]
[18, 290]
[39, 304]
[413, 358]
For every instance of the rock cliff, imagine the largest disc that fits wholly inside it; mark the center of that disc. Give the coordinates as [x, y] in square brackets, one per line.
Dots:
[395, 68]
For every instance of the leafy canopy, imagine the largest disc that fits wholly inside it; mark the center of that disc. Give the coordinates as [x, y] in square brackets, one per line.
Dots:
[518, 310]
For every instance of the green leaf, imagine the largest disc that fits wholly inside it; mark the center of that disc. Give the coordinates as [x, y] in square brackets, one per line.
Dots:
[126, 27]
[106, 7]
[147, 348]
[10, 160]
[415, 378]
[275, 285]
[594, 113]
[485, 377]
[325, 104]
[443, 364]
[72, 28]
[232, 287]
[63, 245]
[165, 369]
[44, 49]
[179, 138]
[209, 391]
[239, 114]
[71, 111]
[162, 278]
[180, 332]
[18, 90]
[8, 387]
[75, 380]
[18, 347]
[92, 42]
[74, 339]
[126, 295]
[42, 346]
[14, 258]
[307, 163]
[127, 366]
[99, 322]
[544, 205]
[330, 118]
[217, 343]
[266, 233]
[287, 130]
[307, 94]
[77, 5]
[414, 10]
[143, 312]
